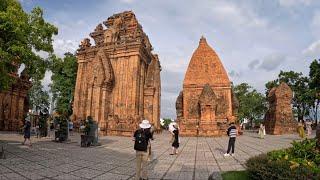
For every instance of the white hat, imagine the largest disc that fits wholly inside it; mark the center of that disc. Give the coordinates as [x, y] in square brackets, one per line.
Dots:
[171, 126]
[145, 124]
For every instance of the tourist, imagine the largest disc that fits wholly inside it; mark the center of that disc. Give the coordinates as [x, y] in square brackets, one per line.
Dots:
[27, 128]
[232, 133]
[175, 143]
[301, 130]
[308, 127]
[151, 129]
[38, 130]
[262, 131]
[70, 128]
[142, 137]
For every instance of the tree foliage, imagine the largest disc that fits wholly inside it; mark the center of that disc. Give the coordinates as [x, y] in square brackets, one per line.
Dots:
[252, 104]
[166, 122]
[314, 84]
[38, 97]
[21, 35]
[64, 73]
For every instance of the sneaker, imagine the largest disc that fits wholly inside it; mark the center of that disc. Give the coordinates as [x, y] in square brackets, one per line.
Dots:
[226, 154]
[232, 154]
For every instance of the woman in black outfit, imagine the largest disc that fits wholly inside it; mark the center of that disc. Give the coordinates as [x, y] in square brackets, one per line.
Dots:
[175, 144]
[27, 128]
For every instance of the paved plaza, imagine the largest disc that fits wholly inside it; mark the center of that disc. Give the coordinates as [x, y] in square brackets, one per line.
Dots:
[115, 158]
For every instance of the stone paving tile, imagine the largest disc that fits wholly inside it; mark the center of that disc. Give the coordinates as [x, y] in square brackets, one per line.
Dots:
[102, 167]
[14, 176]
[3, 170]
[67, 177]
[123, 170]
[110, 176]
[115, 158]
[46, 172]
[32, 175]
[87, 173]
[67, 168]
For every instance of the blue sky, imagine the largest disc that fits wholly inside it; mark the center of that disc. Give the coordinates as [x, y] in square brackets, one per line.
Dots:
[254, 39]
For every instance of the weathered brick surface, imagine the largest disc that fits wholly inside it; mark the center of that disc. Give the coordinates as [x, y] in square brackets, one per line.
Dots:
[206, 105]
[279, 117]
[118, 78]
[14, 104]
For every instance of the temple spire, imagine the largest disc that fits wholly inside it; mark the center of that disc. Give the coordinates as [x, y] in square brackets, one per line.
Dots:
[203, 40]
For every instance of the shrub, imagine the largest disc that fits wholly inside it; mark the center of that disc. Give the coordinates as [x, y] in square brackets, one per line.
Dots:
[301, 161]
[263, 168]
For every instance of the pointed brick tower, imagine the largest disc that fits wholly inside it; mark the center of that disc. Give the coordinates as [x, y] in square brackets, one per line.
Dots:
[205, 106]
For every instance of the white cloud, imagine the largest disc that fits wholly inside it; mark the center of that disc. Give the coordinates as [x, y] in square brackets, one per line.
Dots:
[271, 62]
[315, 24]
[237, 16]
[46, 81]
[62, 46]
[313, 49]
[292, 3]
[253, 64]
[127, 1]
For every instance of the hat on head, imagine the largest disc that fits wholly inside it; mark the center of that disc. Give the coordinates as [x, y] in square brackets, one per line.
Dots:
[145, 124]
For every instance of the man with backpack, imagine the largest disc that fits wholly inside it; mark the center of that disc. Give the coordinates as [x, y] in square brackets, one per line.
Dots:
[141, 139]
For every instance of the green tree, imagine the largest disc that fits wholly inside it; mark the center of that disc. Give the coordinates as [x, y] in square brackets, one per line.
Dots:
[299, 85]
[21, 35]
[38, 98]
[314, 84]
[166, 122]
[64, 73]
[252, 104]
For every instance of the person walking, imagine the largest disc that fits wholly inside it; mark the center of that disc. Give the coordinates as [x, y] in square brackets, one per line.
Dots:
[232, 133]
[175, 143]
[27, 128]
[262, 131]
[141, 140]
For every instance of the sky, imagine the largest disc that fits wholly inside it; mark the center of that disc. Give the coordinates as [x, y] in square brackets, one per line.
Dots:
[254, 39]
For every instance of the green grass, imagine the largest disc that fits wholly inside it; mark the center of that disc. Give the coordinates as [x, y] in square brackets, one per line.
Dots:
[235, 175]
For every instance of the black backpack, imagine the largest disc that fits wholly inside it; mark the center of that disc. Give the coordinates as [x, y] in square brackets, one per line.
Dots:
[140, 143]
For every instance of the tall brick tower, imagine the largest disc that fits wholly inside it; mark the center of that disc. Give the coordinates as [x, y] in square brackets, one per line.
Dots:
[206, 105]
[118, 78]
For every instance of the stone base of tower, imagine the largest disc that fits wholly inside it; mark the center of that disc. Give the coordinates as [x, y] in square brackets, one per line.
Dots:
[204, 129]
[279, 129]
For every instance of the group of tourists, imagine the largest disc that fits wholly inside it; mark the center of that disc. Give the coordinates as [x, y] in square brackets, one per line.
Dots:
[142, 144]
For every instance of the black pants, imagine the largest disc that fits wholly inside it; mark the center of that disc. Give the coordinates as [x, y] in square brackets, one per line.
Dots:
[232, 141]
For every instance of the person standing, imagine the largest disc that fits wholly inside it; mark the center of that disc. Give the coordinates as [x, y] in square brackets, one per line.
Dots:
[175, 143]
[38, 130]
[71, 128]
[262, 131]
[27, 128]
[308, 127]
[301, 130]
[232, 133]
[141, 139]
